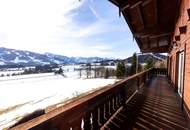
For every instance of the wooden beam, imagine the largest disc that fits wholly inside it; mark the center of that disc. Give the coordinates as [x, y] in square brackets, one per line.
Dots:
[163, 42]
[136, 4]
[114, 2]
[131, 28]
[158, 39]
[152, 30]
[151, 35]
[120, 11]
[160, 35]
[125, 7]
[153, 43]
[146, 2]
[156, 11]
[149, 42]
[162, 49]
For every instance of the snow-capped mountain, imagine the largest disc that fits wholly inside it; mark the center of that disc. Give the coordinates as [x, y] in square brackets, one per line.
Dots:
[27, 58]
[143, 58]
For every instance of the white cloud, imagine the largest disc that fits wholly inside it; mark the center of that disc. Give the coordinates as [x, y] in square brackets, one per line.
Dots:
[26, 24]
[45, 26]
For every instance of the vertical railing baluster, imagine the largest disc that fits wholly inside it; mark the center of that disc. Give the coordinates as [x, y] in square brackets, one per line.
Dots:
[144, 77]
[117, 100]
[95, 124]
[76, 124]
[138, 83]
[123, 97]
[120, 99]
[107, 115]
[111, 105]
[87, 123]
[101, 115]
[115, 103]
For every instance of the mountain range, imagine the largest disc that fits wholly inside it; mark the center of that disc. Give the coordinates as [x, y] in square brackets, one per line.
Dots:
[26, 58]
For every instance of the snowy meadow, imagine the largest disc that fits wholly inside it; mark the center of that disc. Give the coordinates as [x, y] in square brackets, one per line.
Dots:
[23, 94]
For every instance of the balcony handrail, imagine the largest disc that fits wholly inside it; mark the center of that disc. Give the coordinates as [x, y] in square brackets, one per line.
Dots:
[82, 103]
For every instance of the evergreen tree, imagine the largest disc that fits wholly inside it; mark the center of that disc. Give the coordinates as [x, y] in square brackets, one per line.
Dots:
[120, 70]
[134, 64]
[95, 71]
[149, 63]
[60, 71]
[140, 68]
[88, 70]
[134, 68]
[106, 73]
[80, 73]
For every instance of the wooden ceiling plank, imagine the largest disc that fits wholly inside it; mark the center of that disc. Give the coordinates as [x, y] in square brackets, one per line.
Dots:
[160, 35]
[151, 21]
[138, 23]
[149, 9]
[132, 29]
[156, 12]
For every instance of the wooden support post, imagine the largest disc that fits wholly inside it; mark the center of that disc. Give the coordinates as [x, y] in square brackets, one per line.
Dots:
[123, 97]
[111, 104]
[101, 115]
[138, 83]
[107, 115]
[95, 124]
[87, 124]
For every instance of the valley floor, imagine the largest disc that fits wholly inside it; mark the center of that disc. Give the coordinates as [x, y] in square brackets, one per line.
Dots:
[22, 95]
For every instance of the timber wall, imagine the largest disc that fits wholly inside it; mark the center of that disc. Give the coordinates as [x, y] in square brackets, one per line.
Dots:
[183, 44]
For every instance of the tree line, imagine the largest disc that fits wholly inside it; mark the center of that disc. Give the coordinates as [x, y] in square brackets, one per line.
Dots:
[123, 70]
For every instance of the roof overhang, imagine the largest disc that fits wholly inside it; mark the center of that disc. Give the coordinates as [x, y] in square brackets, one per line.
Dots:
[152, 22]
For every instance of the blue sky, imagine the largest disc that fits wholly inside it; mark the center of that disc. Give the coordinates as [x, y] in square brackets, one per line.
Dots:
[66, 27]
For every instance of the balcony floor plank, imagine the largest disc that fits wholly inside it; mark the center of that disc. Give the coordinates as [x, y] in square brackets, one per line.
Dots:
[156, 106]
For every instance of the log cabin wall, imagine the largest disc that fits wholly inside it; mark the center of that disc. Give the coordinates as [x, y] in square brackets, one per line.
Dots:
[181, 39]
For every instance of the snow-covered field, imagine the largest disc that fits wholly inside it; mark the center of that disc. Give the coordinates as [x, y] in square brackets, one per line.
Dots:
[20, 95]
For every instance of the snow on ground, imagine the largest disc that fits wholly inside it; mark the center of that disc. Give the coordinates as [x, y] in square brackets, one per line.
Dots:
[24, 94]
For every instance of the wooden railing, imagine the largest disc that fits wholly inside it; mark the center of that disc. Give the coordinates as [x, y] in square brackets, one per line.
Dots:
[91, 111]
[159, 71]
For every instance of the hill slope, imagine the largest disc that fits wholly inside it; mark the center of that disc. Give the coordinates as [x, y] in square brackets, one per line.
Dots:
[142, 58]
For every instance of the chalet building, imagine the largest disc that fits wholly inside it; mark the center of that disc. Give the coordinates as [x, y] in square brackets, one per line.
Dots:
[151, 100]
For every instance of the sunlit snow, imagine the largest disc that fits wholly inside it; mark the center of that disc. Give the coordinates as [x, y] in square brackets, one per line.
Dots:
[27, 93]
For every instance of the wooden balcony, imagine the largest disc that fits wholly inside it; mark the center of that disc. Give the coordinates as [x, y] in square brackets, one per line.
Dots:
[154, 107]
[144, 101]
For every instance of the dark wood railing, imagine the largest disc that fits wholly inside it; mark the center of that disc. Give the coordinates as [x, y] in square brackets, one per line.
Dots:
[159, 71]
[93, 110]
